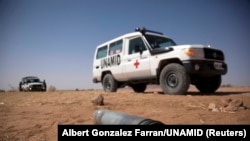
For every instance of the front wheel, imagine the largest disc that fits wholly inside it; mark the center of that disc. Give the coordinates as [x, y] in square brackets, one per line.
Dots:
[174, 79]
[208, 85]
[109, 83]
[20, 87]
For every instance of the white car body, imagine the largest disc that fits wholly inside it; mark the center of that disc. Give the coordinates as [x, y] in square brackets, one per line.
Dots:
[32, 83]
[145, 66]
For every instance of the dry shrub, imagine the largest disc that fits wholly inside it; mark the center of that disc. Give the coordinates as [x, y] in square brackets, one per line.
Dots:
[51, 88]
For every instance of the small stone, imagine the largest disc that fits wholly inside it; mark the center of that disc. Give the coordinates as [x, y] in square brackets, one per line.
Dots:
[211, 106]
[98, 100]
[231, 108]
[225, 102]
[215, 110]
[237, 102]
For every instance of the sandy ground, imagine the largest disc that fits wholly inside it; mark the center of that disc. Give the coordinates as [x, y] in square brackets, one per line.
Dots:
[34, 116]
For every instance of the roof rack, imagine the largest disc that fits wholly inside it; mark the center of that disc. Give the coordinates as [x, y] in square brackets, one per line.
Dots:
[143, 30]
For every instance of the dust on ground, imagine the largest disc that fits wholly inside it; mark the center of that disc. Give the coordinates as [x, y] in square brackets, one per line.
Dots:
[34, 116]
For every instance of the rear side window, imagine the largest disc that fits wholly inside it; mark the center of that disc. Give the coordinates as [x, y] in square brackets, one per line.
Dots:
[102, 52]
[115, 47]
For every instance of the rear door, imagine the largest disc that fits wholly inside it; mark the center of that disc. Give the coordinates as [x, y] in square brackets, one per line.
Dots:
[101, 53]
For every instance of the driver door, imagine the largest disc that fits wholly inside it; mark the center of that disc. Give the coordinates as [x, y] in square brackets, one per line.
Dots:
[137, 63]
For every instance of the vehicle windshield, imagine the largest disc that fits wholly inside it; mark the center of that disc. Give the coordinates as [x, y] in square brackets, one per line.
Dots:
[159, 42]
[33, 80]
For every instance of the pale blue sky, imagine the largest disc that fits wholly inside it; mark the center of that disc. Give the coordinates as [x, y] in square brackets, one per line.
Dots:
[55, 39]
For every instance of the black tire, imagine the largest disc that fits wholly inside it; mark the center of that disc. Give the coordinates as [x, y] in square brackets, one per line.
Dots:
[45, 86]
[20, 87]
[174, 79]
[109, 83]
[139, 88]
[208, 85]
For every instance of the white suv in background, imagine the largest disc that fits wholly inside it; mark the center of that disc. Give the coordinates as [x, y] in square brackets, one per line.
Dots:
[148, 57]
[32, 83]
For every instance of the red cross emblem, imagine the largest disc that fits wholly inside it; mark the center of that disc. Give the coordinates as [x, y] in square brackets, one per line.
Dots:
[136, 64]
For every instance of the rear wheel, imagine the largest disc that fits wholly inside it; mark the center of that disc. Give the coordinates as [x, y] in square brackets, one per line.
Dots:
[209, 84]
[174, 79]
[109, 83]
[45, 86]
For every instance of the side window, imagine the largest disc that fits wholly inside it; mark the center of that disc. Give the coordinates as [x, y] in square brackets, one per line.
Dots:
[102, 52]
[135, 45]
[115, 47]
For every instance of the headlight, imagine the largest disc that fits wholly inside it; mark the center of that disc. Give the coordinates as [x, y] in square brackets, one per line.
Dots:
[189, 52]
[194, 52]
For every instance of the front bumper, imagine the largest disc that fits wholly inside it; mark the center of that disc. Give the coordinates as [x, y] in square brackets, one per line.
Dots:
[94, 80]
[36, 88]
[205, 67]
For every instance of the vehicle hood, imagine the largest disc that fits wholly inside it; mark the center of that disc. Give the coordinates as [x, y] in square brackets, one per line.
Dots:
[177, 47]
[191, 46]
[35, 83]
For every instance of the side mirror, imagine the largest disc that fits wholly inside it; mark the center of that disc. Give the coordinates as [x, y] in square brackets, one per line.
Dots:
[140, 51]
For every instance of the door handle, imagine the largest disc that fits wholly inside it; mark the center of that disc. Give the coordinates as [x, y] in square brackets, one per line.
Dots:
[97, 67]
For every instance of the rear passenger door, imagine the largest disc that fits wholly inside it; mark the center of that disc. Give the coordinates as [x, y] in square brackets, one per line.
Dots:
[108, 59]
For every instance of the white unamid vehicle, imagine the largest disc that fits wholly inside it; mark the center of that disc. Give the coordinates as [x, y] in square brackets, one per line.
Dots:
[146, 57]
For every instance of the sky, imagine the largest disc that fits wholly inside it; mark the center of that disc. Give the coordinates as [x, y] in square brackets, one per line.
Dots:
[56, 39]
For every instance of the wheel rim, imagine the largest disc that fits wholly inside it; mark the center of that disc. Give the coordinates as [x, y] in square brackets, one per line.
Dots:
[172, 80]
[108, 84]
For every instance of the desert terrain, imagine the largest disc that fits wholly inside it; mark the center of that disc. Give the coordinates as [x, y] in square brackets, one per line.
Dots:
[34, 116]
